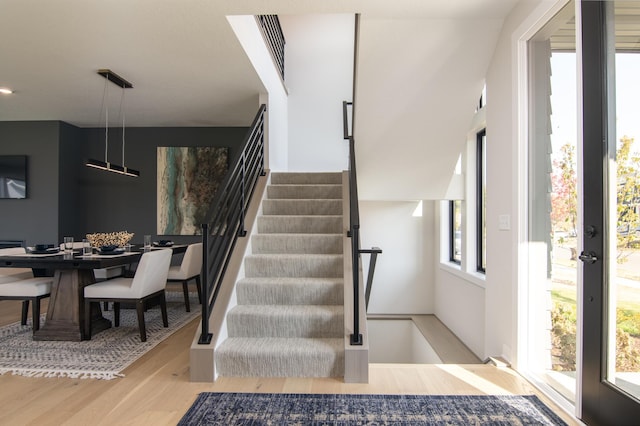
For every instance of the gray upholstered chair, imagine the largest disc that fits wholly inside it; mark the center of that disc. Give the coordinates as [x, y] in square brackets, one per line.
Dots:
[147, 284]
[189, 269]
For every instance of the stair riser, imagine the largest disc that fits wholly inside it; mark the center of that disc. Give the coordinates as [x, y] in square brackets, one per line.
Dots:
[296, 244]
[262, 365]
[302, 207]
[302, 266]
[289, 294]
[304, 191]
[306, 178]
[259, 324]
[300, 224]
[278, 358]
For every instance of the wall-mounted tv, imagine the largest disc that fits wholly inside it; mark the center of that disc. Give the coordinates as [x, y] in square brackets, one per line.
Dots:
[13, 176]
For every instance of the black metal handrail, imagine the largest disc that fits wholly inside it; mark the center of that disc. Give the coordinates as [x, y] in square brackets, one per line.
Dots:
[354, 234]
[374, 252]
[272, 31]
[226, 217]
[354, 211]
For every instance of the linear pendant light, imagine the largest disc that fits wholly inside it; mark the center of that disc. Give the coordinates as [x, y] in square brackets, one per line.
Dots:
[106, 165]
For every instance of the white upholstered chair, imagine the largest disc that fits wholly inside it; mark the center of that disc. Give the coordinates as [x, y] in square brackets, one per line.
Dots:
[20, 284]
[12, 274]
[189, 269]
[148, 283]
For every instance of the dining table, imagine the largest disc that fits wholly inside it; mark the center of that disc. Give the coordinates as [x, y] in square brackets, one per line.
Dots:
[72, 271]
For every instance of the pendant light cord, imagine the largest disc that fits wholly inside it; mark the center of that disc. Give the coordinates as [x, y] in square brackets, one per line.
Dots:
[122, 113]
[105, 107]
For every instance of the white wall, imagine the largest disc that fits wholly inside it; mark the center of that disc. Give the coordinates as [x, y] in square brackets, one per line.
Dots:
[319, 77]
[250, 37]
[460, 305]
[419, 81]
[403, 281]
[506, 180]
[485, 316]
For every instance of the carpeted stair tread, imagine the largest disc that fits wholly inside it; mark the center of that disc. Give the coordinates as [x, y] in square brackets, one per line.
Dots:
[297, 243]
[286, 321]
[304, 191]
[280, 357]
[290, 291]
[289, 320]
[302, 206]
[294, 265]
[300, 224]
[308, 178]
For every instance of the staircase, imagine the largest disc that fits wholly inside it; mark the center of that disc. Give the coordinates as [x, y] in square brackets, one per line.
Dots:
[289, 321]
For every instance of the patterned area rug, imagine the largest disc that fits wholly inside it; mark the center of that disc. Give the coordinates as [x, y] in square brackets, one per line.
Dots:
[317, 409]
[103, 357]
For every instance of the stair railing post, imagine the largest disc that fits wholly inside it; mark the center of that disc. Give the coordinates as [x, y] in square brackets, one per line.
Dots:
[262, 172]
[374, 251]
[242, 232]
[205, 335]
[356, 337]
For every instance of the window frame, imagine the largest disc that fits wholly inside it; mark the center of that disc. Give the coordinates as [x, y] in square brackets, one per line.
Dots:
[452, 233]
[481, 137]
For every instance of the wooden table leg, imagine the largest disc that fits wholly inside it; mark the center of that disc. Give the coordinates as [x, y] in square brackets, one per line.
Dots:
[65, 314]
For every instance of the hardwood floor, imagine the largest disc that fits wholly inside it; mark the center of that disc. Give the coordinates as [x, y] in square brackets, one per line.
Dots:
[157, 391]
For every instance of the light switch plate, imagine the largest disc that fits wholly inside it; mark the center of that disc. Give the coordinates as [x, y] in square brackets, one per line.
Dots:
[504, 222]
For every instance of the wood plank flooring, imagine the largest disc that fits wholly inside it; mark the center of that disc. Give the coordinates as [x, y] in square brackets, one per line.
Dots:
[157, 390]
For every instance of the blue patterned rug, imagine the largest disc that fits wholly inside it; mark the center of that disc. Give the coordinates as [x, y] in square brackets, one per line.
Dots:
[317, 409]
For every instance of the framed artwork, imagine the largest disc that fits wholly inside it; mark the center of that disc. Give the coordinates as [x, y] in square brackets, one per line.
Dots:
[188, 179]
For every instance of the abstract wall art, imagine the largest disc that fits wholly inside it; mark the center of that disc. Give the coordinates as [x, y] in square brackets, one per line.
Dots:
[188, 178]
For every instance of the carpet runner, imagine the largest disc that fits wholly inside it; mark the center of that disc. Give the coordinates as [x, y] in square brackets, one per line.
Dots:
[289, 321]
[322, 409]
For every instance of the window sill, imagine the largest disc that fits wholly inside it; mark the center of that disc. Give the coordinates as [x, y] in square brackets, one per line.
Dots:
[475, 278]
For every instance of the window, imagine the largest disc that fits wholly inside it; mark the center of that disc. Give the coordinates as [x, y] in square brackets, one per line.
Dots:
[483, 99]
[455, 231]
[455, 223]
[481, 202]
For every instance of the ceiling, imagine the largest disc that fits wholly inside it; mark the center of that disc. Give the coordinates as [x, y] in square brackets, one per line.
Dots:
[185, 64]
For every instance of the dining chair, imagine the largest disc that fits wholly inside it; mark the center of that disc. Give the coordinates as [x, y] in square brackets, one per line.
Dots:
[20, 284]
[12, 274]
[147, 284]
[28, 290]
[189, 269]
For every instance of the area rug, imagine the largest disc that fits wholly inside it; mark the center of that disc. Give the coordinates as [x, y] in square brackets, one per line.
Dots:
[319, 409]
[103, 357]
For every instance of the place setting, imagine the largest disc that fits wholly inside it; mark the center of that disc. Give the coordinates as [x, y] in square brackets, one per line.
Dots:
[40, 250]
[162, 243]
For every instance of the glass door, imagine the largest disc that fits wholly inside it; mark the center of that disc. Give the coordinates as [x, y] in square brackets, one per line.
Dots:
[611, 195]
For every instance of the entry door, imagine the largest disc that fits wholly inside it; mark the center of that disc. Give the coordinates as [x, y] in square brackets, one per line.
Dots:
[611, 181]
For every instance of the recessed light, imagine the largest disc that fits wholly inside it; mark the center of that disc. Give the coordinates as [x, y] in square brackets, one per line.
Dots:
[5, 91]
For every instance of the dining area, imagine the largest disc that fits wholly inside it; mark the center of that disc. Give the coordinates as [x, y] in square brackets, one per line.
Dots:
[103, 271]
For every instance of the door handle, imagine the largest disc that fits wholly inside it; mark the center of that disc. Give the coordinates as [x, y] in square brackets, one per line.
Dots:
[589, 258]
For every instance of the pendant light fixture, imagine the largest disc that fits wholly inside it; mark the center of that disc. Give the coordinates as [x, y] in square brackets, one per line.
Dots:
[106, 165]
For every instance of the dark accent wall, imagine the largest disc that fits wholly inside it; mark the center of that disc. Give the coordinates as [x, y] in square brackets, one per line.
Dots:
[68, 198]
[71, 219]
[34, 219]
